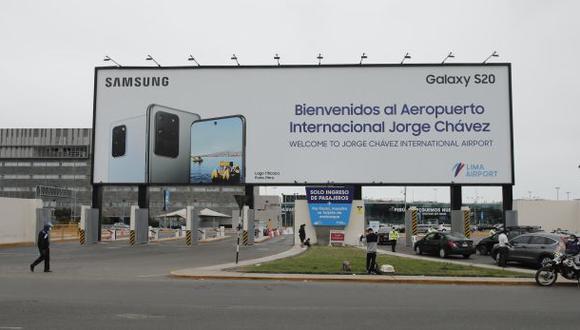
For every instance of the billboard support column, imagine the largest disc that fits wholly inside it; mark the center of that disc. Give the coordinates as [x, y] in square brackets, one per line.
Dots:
[507, 205]
[143, 196]
[97, 203]
[457, 221]
[357, 193]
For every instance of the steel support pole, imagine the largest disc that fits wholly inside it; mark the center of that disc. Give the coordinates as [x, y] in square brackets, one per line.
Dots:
[97, 203]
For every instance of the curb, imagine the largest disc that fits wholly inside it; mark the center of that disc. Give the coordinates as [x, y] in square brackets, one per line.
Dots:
[358, 279]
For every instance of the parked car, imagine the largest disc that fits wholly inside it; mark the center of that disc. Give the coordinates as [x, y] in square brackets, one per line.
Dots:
[445, 244]
[485, 246]
[532, 248]
[383, 235]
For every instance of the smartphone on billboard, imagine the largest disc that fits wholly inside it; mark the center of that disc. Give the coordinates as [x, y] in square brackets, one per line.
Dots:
[168, 144]
[218, 150]
[127, 151]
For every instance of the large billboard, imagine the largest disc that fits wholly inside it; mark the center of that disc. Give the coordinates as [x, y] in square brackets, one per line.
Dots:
[337, 124]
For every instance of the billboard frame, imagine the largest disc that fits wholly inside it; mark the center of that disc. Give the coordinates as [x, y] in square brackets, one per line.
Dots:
[508, 65]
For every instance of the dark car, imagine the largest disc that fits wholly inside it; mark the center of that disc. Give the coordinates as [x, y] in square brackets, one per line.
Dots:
[532, 248]
[445, 244]
[383, 234]
[486, 245]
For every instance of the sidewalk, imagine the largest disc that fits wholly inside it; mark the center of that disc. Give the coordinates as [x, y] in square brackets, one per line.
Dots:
[225, 272]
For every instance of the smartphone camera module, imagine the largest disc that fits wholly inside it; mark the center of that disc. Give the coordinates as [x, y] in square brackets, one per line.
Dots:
[166, 134]
[119, 141]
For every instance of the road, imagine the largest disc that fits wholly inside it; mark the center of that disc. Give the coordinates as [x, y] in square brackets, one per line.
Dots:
[113, 286]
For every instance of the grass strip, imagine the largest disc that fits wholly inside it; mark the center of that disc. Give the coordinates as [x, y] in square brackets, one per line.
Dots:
[328, 260]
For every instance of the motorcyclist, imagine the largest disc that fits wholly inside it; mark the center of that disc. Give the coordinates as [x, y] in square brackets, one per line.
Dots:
[573, 248]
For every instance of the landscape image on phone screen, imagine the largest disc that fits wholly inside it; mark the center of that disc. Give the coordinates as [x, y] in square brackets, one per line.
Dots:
[217, 151]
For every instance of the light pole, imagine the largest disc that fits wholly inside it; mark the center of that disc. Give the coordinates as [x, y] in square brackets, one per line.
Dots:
[450, 55]
[494, 54]
[150, 58]
[406, 57]
[557, 193]
[362, 58]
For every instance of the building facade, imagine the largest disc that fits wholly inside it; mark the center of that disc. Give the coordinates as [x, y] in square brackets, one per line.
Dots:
[54, 164]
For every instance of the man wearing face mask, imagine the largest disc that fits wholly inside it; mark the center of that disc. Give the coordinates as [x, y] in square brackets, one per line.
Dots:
[43, 248]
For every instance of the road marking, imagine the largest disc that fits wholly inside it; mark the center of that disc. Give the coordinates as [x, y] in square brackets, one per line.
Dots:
[12, 328]
[152, 275]
[139, 316]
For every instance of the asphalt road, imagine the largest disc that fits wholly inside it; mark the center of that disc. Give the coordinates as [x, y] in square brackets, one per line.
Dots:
[118, 260]
[161, 303]
[114, 286]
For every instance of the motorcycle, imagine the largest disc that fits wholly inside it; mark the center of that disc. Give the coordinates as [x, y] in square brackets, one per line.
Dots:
[561, 263]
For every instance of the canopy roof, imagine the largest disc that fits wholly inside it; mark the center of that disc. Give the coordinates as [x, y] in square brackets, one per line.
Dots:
[203, 213]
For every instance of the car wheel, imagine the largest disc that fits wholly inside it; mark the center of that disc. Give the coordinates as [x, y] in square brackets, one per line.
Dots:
[442, 253]
[482, 250]
[466, 256]
[418, 250]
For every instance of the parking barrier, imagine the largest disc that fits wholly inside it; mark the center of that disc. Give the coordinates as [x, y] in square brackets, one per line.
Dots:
[132, 237]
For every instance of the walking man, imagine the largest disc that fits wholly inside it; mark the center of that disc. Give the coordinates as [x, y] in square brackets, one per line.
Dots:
[393, 237]
[302, 234]
[372, 240]
[43, 248]
[502, 249]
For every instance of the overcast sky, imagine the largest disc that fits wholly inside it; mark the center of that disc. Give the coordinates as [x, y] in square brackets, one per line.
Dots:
[48, 50]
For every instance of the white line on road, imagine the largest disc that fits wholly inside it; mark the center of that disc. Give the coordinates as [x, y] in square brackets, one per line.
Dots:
[12, 328]
[152, 275]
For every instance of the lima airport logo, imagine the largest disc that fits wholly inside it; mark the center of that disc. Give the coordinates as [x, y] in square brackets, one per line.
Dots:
[461, 169]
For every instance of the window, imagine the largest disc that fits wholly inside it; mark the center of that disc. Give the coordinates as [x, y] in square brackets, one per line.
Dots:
[542, 240]
[16, 176]
[521, 239]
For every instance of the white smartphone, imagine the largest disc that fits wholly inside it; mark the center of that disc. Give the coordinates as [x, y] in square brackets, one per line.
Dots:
[127, 150]
[168, 144]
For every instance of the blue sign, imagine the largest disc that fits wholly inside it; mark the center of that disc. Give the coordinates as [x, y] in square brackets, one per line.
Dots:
[166, 199]
[329, 206]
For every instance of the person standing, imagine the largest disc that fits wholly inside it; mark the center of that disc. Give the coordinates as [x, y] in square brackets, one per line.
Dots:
[302, 234]
[371, 240]
[44, 249]
[393, 237]
[502, 250]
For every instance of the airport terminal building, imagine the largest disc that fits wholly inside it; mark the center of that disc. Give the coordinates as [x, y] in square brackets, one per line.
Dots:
[54, 164]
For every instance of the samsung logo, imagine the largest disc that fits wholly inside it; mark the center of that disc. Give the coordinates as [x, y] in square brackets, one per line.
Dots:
[137, 82]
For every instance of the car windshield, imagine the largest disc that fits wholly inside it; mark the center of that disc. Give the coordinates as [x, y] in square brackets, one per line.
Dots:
[456, 236]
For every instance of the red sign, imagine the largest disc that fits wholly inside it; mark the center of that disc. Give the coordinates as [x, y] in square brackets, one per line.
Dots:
[337, 237]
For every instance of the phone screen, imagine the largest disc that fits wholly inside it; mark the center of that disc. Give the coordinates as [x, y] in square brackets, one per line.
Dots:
[217, 151]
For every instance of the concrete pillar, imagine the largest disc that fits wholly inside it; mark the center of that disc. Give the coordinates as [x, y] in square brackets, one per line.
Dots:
[461, 221]
[411, 222]
[139, 226]
[511, 218]
[191, 226]
[89, 225]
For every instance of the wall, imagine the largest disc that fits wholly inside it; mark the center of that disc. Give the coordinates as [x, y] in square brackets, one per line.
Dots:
[352, 232]
[18, 220]
[549, 214]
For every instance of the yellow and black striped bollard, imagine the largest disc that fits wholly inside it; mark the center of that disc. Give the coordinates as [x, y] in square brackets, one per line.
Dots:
[467, 223]
[188, 237]
[245, 237]
[414, 220]
[132, 237]
[82, 238]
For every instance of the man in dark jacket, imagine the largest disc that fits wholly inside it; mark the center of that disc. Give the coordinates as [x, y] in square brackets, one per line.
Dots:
[371, 239]
[302, 234]
[43, 248]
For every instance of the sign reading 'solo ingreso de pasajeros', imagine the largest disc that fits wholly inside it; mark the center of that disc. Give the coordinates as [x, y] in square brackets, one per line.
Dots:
[329, 206]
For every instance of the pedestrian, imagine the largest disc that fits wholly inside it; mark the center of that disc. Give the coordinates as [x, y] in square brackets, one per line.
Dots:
[393, 237]
[502, 250]
[44, 249]
[302, 234]
[371, 240]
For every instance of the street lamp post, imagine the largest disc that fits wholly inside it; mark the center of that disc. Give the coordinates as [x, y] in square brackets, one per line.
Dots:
[557, 193]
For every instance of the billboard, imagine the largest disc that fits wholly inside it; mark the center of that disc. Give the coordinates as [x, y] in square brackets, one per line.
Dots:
[307, 125]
